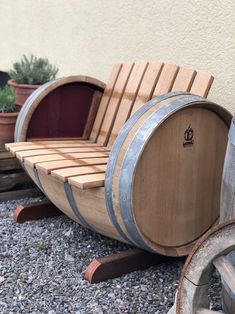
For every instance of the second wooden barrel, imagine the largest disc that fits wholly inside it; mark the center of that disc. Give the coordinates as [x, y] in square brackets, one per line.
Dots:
[227, 208]
[164, 174]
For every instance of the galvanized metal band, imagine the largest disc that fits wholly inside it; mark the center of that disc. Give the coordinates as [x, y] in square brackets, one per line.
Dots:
[24, 111]
[115, 153]
[133, 154]
[73, 205]
[38, 182]
[231, 134]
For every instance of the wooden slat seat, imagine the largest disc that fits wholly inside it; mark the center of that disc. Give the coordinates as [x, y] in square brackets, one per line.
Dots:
[17, 149]
[65, 173]
[88, 181]
[47, 167]
[36, 160]
[39, 152]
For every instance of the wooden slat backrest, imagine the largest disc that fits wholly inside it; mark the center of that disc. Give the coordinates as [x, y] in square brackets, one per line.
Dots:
[105, 101]
[138, 90]
[114, 103]
[128, 98]
[131, 85]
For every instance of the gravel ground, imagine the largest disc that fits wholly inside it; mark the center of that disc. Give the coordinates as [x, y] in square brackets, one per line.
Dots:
[42, 266]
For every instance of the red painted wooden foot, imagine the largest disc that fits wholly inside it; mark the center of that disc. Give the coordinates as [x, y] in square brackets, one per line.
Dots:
[121, 263]
[35, 211]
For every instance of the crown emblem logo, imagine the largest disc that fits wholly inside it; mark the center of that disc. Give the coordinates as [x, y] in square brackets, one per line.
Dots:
[188, 136]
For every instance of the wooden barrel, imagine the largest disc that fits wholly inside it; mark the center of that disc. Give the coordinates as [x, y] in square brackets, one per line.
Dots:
[60, 109]
[162, 184]
[227, 207]
[164, 174]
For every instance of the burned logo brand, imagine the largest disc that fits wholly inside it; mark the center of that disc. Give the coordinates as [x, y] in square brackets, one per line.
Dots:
[188, 136]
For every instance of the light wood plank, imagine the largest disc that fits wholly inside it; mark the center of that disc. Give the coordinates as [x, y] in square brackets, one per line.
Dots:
[20, 148]
[37, 152]
[32, 161]
[202, 84]
[44, 142]
[92, 114]
[114, 103]
[65, 173]
[105, 101]
[59, 164]
[148, 84]
[184, 80]
[128, 98]
[89, 181]
[166, 79]
[55, 139]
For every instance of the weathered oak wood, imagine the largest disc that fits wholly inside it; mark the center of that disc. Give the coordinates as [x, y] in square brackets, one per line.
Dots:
[226, 270]
[227, 208]
[206, 311]
[208, 253]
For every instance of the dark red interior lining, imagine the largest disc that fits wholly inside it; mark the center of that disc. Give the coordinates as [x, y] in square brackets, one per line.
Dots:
[62, 113]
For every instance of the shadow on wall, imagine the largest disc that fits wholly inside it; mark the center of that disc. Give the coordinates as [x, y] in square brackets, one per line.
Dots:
[4, 77]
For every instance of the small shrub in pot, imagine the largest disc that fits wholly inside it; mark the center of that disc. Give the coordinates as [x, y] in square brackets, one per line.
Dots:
[28, 74]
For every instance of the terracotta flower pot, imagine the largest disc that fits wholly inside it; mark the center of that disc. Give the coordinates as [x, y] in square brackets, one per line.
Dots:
[7, 126]
[22, 91]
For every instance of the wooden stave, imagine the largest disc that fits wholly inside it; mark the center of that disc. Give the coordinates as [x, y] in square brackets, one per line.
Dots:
[69, 203]
[171, 251]
[196, 273]
[227, 206]
[40, 93]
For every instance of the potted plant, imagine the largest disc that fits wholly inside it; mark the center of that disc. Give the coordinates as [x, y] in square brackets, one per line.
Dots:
[28, 74]
[8, 114]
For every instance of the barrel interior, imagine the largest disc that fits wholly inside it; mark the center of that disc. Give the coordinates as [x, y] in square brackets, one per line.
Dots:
[62, 113]
[176, 187]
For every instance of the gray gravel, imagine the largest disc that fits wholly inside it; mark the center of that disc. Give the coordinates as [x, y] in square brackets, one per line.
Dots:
[42, 266]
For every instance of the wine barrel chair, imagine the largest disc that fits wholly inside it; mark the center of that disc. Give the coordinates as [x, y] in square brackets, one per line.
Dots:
[150, 172]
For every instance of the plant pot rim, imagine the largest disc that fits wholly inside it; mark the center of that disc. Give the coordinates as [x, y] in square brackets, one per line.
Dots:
[9, 114]
[12, 83]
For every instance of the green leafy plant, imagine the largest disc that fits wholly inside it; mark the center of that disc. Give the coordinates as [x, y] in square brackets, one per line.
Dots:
[40, 246]
[33, 70]
[7, 99]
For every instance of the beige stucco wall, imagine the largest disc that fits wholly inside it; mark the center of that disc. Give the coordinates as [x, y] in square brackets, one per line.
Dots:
[88, 36]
